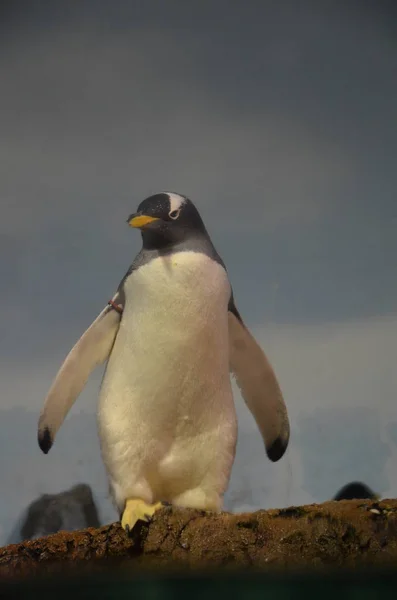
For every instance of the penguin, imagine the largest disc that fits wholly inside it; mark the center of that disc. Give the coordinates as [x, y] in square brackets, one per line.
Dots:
[356, 490]
[171, 338]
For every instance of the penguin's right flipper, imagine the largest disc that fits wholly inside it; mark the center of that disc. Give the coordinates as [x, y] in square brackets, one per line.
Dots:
[92, 349]
[259, 386]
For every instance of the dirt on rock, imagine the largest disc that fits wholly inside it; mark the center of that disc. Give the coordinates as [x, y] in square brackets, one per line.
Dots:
[344, 534]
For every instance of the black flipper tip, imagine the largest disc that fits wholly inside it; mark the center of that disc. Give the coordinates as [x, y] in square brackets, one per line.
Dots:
[45, 440]
[277, 449]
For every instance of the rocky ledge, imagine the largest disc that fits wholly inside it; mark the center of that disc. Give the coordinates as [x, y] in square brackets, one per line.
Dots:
[348, 534]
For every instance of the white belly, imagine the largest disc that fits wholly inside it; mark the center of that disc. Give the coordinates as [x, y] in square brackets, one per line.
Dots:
[167, 421]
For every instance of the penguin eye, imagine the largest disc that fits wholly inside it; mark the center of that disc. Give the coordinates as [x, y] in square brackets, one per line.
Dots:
[174, 214]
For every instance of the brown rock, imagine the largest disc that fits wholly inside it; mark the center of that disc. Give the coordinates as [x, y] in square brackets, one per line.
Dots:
[351, 533]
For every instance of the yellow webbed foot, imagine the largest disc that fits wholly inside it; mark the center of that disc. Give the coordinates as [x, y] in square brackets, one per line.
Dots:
[137, 510]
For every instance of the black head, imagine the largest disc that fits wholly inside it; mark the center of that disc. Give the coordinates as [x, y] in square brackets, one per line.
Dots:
[167, 219]
[355, 491]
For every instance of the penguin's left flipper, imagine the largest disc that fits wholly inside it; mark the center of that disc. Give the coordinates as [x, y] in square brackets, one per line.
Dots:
[91, 350]
[259, 386]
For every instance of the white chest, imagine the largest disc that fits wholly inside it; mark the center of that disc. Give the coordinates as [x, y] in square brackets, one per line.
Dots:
[179, 282]
[175, 322]
[166, 404]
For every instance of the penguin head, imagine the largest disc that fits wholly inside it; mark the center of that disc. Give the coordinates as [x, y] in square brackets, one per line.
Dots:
[166, 219]
[356, 491]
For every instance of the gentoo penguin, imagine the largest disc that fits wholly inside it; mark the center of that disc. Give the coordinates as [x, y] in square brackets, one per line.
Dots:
[356, 490]
[172, 335]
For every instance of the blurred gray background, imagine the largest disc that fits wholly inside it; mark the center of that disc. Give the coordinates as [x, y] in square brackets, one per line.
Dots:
[279, 120]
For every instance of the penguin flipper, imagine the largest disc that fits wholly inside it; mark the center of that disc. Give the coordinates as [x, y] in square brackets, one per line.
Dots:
[259, 387]
[91, 350]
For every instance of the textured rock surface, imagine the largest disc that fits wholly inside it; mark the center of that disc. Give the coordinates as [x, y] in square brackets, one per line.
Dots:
[334, 534]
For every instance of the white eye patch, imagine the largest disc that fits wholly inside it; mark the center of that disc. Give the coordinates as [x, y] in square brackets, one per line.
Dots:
[176, 203]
